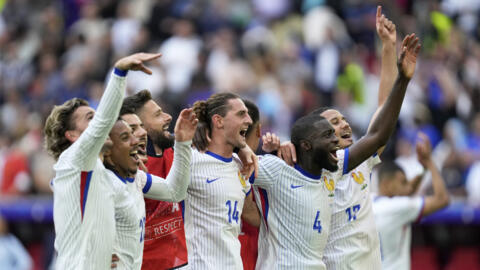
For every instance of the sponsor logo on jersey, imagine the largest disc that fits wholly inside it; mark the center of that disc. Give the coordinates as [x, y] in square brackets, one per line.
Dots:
[212, 180]
[294, 186]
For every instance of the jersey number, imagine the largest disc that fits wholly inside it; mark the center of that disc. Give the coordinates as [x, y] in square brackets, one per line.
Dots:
[317, 225]
[142, 228]
[234, 215]
[352, 212]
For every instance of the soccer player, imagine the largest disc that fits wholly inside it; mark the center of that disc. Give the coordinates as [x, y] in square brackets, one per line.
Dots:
[132, 185]
[395, 210]
[165, 245]
[218, 189]
[287, 242]
[83, 195]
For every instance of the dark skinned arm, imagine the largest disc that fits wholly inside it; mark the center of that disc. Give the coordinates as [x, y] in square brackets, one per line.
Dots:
[385, 122]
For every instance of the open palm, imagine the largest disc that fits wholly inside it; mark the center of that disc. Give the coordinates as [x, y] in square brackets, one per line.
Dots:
[186, 125]
[408, 56]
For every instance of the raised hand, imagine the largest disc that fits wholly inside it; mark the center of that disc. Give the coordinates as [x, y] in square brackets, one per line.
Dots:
[186, 125]
[385, 28]
[424, 150]
[136, 62]
[271, 142]
[408, 57]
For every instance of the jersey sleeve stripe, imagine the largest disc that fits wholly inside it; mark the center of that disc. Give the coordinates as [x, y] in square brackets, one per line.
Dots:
[248, 192]
[148, 185]
[264, 202]
[182, 205]
[85, 178]
[345, 162]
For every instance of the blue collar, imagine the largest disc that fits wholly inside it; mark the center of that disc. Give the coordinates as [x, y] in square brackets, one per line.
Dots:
[224, 159]
[124, 180]
[307, 174]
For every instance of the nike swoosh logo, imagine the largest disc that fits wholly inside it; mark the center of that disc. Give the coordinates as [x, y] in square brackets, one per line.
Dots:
[212, 180]
[293, 186]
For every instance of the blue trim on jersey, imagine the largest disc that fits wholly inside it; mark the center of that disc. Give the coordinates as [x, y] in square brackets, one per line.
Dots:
[224, 159]
[182, 205]
[345, 162]
[248, 192]
[307, 174]
[265, 206]
[119, 72]
[126, 179]
[148, 185]
[85, 191]
[251, 179]
[374, 155]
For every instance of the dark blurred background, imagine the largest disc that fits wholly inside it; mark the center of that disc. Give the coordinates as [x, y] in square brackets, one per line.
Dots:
[287, 56]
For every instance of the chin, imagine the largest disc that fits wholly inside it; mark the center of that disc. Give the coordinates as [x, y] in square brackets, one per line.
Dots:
[345, 143]
[133, 171]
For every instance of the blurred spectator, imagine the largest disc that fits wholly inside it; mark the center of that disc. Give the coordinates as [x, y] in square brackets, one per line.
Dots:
[13, 255]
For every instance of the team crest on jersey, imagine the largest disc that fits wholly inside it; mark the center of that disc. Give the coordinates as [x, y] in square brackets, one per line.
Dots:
[330, 185]
[359, 179]
[242, 179]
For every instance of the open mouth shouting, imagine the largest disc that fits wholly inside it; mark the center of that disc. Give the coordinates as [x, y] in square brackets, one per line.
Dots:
[134, 155]
[243, 132]
[333, 154]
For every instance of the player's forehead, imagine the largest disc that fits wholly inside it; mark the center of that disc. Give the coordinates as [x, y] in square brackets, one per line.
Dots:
[322, 126]
[132, 119]
[151, 107]
[237, 105]
[82, 111]
[332, 114]
[120, 128]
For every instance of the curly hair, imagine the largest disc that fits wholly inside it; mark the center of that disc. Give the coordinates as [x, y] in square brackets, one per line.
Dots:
[58, 122]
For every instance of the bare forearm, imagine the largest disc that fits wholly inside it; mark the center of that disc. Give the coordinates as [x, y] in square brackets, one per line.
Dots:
[439, 188]
[388, 71]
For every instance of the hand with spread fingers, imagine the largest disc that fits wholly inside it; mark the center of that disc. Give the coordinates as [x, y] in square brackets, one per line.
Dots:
[271, 142]
[136, 62]
[408, 56]
[186, 125]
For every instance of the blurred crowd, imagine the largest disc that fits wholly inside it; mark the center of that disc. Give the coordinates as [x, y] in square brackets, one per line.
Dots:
[287, 56]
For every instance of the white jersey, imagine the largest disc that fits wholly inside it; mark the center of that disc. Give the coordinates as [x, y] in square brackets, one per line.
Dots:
[353, 241]
[296, 210]
[213, 209]
[130, 204]
[83, 198]
[393, 217]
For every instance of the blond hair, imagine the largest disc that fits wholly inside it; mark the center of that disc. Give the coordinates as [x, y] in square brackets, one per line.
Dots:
[58, 122]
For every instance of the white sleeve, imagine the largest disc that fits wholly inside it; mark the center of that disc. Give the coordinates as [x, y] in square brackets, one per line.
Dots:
[373, 160]
[269, 168]
[18, 253]
[174, 188]
[85, 151]
[406, 210]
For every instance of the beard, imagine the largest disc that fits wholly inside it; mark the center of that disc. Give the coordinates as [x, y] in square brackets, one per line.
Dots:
[161, 139]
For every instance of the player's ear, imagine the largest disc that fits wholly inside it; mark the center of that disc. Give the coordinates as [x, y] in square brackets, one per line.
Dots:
[71, 135]
[306, 145]
[217, 121]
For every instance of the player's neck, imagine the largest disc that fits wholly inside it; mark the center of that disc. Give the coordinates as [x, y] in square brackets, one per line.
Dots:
[220, 148]
[309, 165]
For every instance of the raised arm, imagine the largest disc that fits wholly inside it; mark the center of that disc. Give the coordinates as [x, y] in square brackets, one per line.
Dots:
[175, 187]
[387, 33]
[440, 198]
[87, 147]
[384, 124]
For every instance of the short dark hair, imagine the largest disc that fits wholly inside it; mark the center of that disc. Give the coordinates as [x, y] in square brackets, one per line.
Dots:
[320, 110]
[134, 103]
[387, 169]
[253, 113]
[58, 122]
[303, 128]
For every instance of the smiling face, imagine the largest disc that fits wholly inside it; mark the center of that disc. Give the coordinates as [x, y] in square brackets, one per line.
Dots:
[341, 126]
[139, 132]
[235, 123]
[156, 123]
[325, 145]
[123, 154]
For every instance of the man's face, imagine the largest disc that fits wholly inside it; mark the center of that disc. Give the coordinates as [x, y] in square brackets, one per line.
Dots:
[325, 145]
[139, 132]
[80, 118]
[156, 123]
[235, 123]
[124, 152]
[398, 186]
[341, 126]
